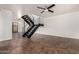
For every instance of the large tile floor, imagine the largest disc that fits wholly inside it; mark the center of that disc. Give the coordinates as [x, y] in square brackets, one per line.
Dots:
[43, 44]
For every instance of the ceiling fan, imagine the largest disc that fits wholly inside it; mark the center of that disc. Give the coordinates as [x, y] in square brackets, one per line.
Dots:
[47, 8]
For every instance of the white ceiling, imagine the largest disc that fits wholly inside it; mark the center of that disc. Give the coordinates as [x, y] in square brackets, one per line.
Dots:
[21, 9]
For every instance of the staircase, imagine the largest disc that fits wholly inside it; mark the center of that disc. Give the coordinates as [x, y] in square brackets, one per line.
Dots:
[32, 27]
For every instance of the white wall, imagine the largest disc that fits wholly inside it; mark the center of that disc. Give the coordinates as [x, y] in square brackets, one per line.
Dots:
[5, 25]
[66, 25]
[20, 25]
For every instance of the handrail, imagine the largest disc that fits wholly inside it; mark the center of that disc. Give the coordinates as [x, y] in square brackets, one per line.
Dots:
[32, 27]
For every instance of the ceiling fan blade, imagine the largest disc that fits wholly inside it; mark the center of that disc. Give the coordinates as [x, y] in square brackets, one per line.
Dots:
[51, 6]
[50, 11]
[42, 11]
[41, 8]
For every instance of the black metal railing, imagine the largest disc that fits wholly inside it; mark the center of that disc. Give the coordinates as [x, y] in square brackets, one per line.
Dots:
[32, 27]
